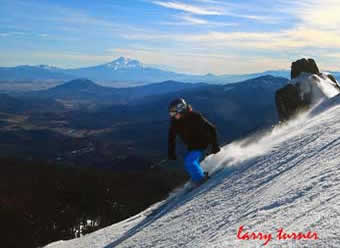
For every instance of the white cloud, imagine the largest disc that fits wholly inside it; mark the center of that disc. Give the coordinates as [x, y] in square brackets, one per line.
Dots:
[194, 20]
[295, 38]
[219, 8]
[259, 18]
[185, 20]
[208, 1]
[333, 55]
[58, 19]
[319, 14]
[198, 10]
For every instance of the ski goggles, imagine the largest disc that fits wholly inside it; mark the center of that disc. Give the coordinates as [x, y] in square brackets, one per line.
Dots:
[172, 113]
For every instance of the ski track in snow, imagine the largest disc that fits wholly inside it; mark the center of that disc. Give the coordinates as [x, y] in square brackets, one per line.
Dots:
[289, 179]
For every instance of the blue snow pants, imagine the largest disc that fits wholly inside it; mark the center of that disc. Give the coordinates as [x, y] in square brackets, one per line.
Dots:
[192, 165]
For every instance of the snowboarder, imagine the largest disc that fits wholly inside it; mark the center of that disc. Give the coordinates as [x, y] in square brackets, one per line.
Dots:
[196, 132]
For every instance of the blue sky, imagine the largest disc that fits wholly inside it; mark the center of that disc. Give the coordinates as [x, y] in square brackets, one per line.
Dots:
[197, 36]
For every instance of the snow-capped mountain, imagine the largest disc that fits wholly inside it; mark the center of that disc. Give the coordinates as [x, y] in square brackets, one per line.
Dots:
[124, 63]
[281, 190]
[123, 70]
[48, 67]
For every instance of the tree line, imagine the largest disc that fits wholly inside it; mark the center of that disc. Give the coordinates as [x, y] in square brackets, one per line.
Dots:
[42, 202]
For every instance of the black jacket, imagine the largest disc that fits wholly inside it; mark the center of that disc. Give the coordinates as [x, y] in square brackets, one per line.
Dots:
[194, 130]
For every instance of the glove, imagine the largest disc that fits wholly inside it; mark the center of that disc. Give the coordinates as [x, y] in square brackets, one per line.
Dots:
[215, 149]
[172, 157]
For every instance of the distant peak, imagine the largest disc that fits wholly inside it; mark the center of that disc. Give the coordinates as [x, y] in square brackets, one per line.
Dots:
[78, 84]
[124, 63]
[82, 81]
[123, 59]
[266, 77]
[47, 67]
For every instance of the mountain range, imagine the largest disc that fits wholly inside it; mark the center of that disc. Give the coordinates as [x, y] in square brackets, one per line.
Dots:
[90, 92]
[121, 70]
[82, 113]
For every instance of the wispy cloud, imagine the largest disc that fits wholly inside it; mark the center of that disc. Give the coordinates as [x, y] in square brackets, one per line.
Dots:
[185, 20]
[333, 55]
[317, 27]
[260, 18]
[198, 10]
[217, 8]
[318, 14]
[296, 40]
[208, 1]
[194, 20]
[58, 19]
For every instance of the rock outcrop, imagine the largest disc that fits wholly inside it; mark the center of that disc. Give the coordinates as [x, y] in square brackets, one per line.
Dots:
[288, 102]
[304, 88]
[303, 65]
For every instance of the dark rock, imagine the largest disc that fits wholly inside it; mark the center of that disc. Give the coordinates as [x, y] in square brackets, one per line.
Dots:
[303, 65]
[299, 96]
[288, 102]
[331, 77]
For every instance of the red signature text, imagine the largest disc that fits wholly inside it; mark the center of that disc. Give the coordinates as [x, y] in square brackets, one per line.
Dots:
[254, 236]
[281, 235]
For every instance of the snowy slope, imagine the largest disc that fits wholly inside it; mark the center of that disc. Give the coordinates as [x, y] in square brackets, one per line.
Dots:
[289, 179]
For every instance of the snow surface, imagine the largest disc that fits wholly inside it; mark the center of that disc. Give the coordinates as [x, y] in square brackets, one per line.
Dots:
[288, 179]
[319, 85]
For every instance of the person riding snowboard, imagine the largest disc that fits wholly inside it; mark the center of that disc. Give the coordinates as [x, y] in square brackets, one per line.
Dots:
[196, 132]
